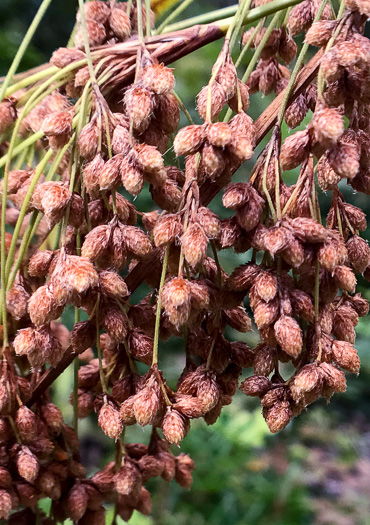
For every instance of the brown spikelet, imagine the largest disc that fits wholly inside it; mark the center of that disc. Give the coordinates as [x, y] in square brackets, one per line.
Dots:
[194, 243]
[289, 335]
[255, 386]
[109, 420]
[346, 356]
[173, 427]
[139, 106]
[294, 150]
[278, 416]
[27, 464]
[218, 100]
[167, 229]
[120, 23]
[188, 140]
[158, 79]
[176, 297]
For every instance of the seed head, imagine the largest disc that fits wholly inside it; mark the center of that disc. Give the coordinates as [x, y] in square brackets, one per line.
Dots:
[289, 335]
[76, 501]
[88, 140]
[278, 416]
[194, 243]
[5, 504]
[173, 427]
[295, 150]
[255, 386]
[218, 100]
[176, 300]
[328, 126]
[27, 464]
[96, 35]
[346, 356]
[43, 307]
[139, 106]
[188, 140]
[167, 230]
[110, 173]
[120, 23]
[158, 79]
[109, 420]
[219, 134]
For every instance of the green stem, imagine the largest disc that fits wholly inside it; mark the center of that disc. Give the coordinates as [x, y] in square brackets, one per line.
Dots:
[86, 41]
[175, 13]
[31, 79]
[159, 307]
[24, 45]
[254, 15]
[296, 69]
[147, 16]
[76, 366]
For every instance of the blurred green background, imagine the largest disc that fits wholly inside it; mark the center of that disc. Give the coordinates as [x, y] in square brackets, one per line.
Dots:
[316, 471]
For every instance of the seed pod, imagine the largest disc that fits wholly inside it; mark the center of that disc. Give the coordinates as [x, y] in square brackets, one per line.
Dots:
[241, 148]
[43, 307]
[121, 140]
[147, 403]
[266, 286]
[136, 241]
[167, 113]
[95, 32]
[5, 504]
[358, 253]
[278, 416]
[212, 161]
[8, 113]
[265, 313]
[176, 297]
[302, 305]
[139, 106]
[16, 301]
[326, 176]
[289, 335]
[328, 126]
[88, 140]
[296, 111]
[76, 501]
[188, 140]
[26, 423]
[209, 222]
[173, 427]
[95, 10]
[219, 134]
[307, 379]
[27, 464]
[264, 360]
[110, 173]
[240, 101]
[255, 386]
[345, 278]
[96, 242]
[127, 480]
[300, 17]
[287, 46]
[344, 159]
[243, 277]
[141, 346]
[167, 230]
[158, 79]
[120, 23]
[320, 32]
[334, 378]
[346, 356]
[218, 100]
[238, 319]
[53, 417]
[115, 322]
[248, 215]
[149, 158]
[309, 230]
[64, 56]
[295, 150]
[109, 420]
[132, 176]
[194, 243]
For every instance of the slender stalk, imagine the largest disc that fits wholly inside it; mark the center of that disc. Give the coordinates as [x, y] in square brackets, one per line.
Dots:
[296, 69]
[98, 347]
[147, 17]
[76, 366]
[174, 14]
[159, 307]
[223, 23]
[140, 29]
[24, 45]
[31, 79]
[86, 41]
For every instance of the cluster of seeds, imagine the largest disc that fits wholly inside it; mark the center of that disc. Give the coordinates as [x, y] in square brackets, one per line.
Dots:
[99, 131]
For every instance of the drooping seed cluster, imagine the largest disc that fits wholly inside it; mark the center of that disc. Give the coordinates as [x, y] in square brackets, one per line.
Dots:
[82, 242]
